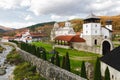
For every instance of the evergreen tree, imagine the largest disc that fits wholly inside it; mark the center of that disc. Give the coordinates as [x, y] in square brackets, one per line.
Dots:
[52, 59]
[97, 70]
[63, 63]
[38, 52]
[57, 59]
[67, 61]
[83, 70]
[107, 74]
[44, 55]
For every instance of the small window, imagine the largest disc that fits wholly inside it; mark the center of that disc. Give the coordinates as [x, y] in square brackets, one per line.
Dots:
[86, 31]
[112, 77]
[105, 37]
[86, 26]
[95, 41]
[96, 31]
[96, 25]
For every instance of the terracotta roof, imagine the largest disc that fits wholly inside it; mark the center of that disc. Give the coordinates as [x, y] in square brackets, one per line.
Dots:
[18, 35]
[38, 35]
[70, 38]
[65, 38]
[77, 38]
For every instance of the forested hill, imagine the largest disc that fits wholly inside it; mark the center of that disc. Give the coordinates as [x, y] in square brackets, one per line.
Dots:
[76, 24]
[33, 27]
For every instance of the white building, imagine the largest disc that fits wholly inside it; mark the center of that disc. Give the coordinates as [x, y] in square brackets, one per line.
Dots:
[93, 33]
[5, 39]
[112, 61]
[58, 31]
[24, 37]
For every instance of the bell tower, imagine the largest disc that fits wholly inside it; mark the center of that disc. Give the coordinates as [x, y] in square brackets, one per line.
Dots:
[92, 30]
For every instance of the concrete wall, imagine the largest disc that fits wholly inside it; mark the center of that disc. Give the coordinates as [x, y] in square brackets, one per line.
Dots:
[46, 69]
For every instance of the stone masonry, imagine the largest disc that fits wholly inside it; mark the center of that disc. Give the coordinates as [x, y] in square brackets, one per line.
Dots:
[46, 69]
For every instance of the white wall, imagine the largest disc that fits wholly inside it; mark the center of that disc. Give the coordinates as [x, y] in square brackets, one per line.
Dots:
[92, 29]
[106, 32]
[109, 27]
[4, 40]
[114, 74]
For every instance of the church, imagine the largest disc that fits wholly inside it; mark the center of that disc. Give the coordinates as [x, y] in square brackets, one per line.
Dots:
[93, 32]
[59, 30]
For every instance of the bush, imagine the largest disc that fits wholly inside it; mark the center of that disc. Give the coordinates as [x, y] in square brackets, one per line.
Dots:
[28, 70]
[13, 57]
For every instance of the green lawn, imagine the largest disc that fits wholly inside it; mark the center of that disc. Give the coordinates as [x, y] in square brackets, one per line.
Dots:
[76, 57]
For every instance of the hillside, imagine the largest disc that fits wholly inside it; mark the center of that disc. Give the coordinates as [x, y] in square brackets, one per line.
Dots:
[5, 28]
[76, 24]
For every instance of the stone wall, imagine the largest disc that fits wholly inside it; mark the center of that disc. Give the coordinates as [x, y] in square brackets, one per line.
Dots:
[84, 47]
[46, 69]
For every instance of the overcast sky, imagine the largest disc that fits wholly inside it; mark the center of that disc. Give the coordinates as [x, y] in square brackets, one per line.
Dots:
[21, 13]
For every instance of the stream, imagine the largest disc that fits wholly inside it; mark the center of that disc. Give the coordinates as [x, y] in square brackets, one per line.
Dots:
[8, 68]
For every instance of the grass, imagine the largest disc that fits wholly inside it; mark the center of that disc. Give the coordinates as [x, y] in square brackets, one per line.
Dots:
[76, 57]
[23, 70]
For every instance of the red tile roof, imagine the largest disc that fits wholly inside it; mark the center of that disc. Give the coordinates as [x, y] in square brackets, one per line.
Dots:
[64, 38]
[77, 38]
[71, 38]
[18, 35]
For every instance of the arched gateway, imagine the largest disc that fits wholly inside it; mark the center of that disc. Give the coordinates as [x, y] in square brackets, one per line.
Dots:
[107, 46]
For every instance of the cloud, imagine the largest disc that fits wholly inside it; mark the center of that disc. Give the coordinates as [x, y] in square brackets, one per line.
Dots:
[46, 10]
[17, 25]
[25, 3]
[9, 4]
[71, 7]
[55, 17]
[28, 17]
[64, 7]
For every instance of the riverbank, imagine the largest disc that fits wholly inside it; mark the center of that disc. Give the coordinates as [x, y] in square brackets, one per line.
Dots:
[4, 65]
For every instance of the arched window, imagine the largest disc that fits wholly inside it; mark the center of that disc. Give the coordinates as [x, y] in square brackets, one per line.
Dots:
[95, 41]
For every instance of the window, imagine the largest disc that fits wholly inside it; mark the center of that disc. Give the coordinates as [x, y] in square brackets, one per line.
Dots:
[86, 26]
[95, 41]
[112, 77]
[96, 31]
[96, 25]
[86, 31]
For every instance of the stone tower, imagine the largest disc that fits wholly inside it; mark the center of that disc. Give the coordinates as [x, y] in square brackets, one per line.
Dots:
[92, 30]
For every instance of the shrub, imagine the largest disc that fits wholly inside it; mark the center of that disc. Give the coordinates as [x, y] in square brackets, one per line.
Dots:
[13, 57]
[83, 70]
[97, 70]
[107, 74]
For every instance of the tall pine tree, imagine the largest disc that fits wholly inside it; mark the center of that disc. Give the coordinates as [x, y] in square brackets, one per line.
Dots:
[67, 61]
[52, 59]
[44, 55]
[83, 70]
[63, 63]
[97, 70]
[107, 74]
[57, 59]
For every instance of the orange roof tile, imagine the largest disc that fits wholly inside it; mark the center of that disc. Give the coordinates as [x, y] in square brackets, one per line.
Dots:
[71, 38]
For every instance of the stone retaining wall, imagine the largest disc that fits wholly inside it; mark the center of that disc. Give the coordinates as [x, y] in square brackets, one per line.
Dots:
[48, 70]
[84, 47]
